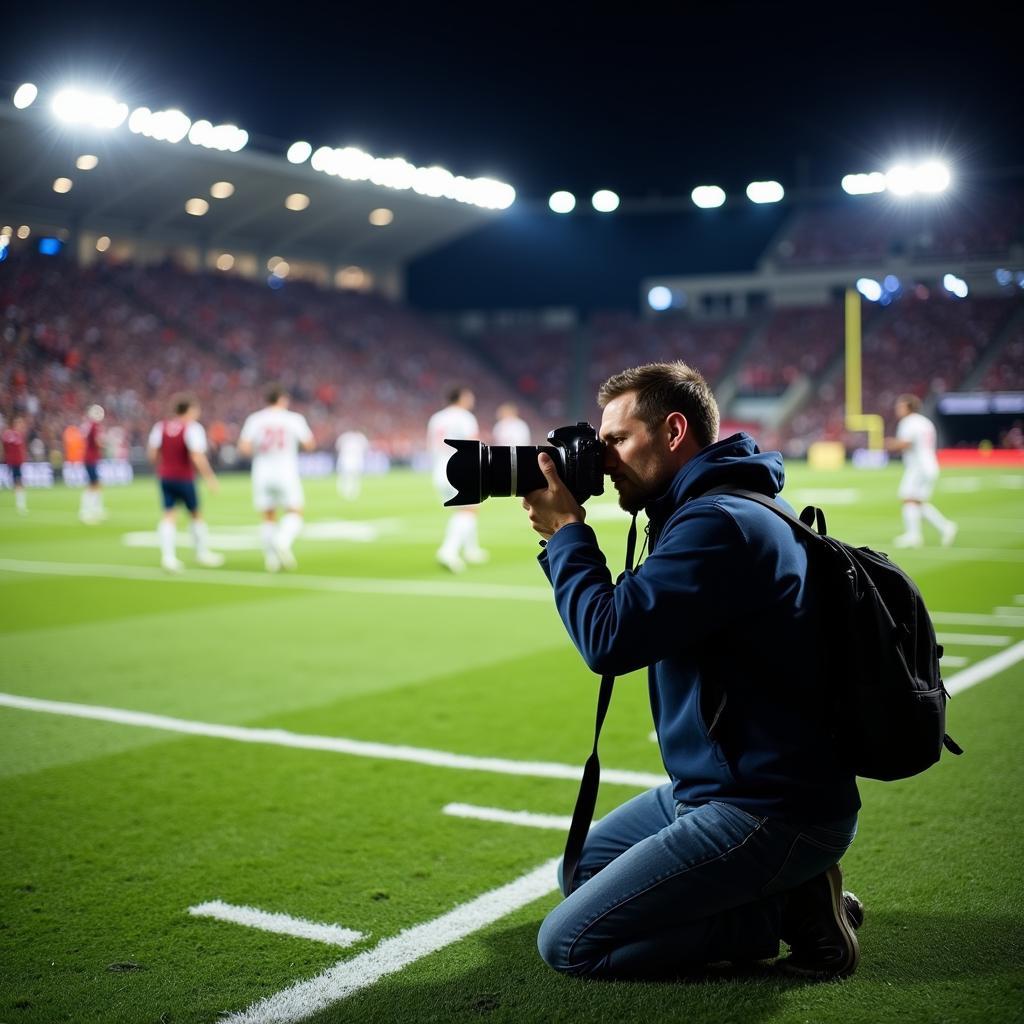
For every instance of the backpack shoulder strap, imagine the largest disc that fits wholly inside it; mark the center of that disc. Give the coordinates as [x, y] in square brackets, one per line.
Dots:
[799, 525]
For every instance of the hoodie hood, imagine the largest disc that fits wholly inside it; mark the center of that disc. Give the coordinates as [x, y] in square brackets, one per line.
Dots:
[735, 461]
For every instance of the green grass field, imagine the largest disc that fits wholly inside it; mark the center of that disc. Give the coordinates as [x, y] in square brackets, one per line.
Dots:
[112, 830]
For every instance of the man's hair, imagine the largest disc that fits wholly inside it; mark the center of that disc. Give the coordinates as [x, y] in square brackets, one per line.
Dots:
[663, 388]
[912, 402]
[456, 394]
[274, 394]
[182, 403]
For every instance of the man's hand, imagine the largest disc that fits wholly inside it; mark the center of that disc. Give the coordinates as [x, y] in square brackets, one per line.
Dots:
[551, 507]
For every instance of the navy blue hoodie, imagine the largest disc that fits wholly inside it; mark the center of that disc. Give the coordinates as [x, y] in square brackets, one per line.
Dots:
[722, 614]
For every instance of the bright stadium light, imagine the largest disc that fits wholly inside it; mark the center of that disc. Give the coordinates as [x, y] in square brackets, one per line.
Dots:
[869, 288]
[162, 125]
[707, 197]
[381, 217]
[281, 269]
[932, 177]
[87, 162]
[25, 95]
[75, 106]
[562, 202]
[62, 185]
[955, 285]
[900, 180]
[765, 192]
[863, 184]
[222, 190]
[298, 152]
[223, 137]
[659, 297]
[197, 207]
[225, 261]
[24, 231]
[354, 278]
[891, 284]
[103, 243]
[604, 200]
[297, 201]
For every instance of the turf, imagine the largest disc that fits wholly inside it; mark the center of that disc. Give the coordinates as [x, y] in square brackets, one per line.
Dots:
[110, 832]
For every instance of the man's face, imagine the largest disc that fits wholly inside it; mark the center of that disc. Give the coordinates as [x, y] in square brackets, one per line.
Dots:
[902, 409]
[638, 461]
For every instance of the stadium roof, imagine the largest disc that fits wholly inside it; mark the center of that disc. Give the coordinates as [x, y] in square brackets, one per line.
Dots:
[140, 186]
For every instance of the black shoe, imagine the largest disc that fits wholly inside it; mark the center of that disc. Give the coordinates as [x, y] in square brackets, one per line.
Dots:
[819, 925]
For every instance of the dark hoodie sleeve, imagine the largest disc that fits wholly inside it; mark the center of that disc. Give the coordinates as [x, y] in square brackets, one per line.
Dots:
[680, 594]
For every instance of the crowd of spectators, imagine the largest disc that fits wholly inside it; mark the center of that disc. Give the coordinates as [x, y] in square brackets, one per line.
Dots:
[794, 343]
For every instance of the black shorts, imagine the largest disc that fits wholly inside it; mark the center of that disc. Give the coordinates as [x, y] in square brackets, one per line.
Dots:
[16, 475]
[92, 472]
[184, 491]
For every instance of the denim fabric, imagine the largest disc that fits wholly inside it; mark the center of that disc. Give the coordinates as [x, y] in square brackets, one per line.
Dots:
[663, 887]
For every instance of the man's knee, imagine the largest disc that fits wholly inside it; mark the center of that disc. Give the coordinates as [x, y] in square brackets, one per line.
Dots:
[553, 944]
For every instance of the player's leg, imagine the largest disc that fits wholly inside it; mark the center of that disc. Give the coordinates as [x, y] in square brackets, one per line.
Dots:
[167, 528]
[291, 521]
[200, 533]
[20, 497]
[471, 550]
[946, 527]
[268, 527]
[911, 495]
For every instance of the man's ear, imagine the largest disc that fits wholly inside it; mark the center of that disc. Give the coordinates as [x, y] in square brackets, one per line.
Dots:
[678, 428]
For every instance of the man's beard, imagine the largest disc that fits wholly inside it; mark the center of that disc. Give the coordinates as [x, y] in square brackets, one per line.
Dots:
[631, 500]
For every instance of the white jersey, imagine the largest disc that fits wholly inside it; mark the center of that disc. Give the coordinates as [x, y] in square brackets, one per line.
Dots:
[511, 431]
[352, 447]
[275, 435]
[460, 425]
[919, 431]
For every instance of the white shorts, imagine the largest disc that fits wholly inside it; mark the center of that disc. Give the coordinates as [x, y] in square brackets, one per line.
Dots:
[917, 484]
[272, 492]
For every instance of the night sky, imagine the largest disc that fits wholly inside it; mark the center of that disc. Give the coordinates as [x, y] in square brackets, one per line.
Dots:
[646, 105]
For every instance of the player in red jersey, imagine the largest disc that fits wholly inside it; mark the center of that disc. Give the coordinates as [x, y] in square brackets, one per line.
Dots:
[91, 511]
[14, 439]
[177, 447]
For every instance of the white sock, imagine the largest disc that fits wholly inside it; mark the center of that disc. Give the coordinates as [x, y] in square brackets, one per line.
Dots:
[20, 501]
[166, 532]
[934, 516]
[469, 537]
[912, 519]
[199, 536]
[291, 525]
[83, 504]
[97, 502]
[452, 537]
[267, 536]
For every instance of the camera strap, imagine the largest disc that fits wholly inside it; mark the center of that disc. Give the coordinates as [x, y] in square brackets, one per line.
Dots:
[586, 799]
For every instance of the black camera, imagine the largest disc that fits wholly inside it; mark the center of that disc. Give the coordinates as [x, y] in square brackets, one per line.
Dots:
[477, 470]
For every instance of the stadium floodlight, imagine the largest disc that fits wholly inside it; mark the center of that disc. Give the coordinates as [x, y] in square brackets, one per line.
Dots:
[955, 285]
[900, 180]
[103, 243]
[225, 261]
[932, 177]
[62, 185]
[222, 190]
[223, 137]
[659, 297]
[87, 162]
[869, 288]
[163, 125]
[297, 201]
[1004, 277]
[381, 217]
[75, 106]
[863, 184]
[604, 200]
[891, 283]
[197, 207]
[708, 197]
[24, 231]
[281, 269]
[562, 202]
[765, 192]
[354, 278]
[25, 95]
[299, 152]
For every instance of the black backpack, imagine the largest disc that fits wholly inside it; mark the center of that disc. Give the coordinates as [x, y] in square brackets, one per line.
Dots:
[890, 703]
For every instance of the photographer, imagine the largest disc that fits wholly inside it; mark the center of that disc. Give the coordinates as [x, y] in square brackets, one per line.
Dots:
[741, 847]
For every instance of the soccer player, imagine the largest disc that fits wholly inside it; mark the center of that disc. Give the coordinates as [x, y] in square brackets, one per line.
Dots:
[455, 420]
[352, 447]
[915, 438]
[14, 438]
[510, 429]
[177, 447]
[91, 510]
[271, 438]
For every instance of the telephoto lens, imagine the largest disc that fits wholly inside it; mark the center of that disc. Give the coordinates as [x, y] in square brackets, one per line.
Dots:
[478, 471]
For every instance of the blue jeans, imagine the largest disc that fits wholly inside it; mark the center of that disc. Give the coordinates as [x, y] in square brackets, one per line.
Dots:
[662, 887]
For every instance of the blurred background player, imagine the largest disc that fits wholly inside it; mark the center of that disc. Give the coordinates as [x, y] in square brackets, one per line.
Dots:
[455, 420]
[271, 438]
[352, 446]
[91, 510]
[13, 439]
[511, 429]
[915, 439]
[178, 448]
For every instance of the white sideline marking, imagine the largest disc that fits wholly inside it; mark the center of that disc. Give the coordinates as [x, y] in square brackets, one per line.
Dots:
[288, 581]
[247, 538]
[824, 496]
[1010, 610]
[982, 670]
[970, 619]
[552, 821]
[305, 998]
[280, 924]
[953, 661]
[333, 744]
[972, 639]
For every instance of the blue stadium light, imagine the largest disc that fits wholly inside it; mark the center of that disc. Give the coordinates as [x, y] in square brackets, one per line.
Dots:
[50, 246]
[891, 284]
[1004, 277]
[25, 95]
[869, 288]
[708, 197]
[955, 285]
[605, 201]
[659, 297]
[765, 192]
[562, 202]
[275, 282]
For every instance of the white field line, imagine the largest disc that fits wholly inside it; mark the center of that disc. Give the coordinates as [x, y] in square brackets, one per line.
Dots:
[551, 821]
[306, 998]
[332, 744]
[972, 639]
[1018, 598]
[280, 924]
[982, 670]
[287, 581]
[953, 661]
[1000, 618]
[1011, 611]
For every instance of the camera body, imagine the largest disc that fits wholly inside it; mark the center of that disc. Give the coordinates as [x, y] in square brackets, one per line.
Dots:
[478, 471]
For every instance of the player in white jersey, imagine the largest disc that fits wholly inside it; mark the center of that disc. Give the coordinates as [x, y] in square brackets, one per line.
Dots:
[510, 429]
[352, 446]
[915, 438]
[272, 438]
[455, 420]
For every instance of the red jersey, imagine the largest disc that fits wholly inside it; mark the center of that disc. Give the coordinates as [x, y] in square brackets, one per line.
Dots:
[175, 460]
[92, 443]
[14, 446]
